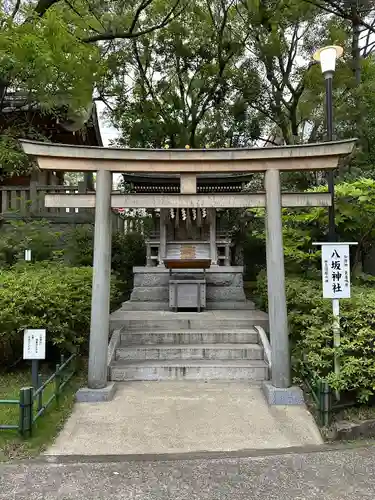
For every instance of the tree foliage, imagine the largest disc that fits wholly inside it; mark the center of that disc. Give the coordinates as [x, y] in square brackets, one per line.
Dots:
[311, 336]
[223, 75]
[355, 222]
[53, 56]
[176, 72]
[241, 74]
[180, 83]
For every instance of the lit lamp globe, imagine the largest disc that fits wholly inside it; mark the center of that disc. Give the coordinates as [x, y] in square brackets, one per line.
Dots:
[327, 57]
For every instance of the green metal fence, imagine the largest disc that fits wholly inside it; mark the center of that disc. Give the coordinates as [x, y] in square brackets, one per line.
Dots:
[30, 402]
[10, 402]
[326, 400]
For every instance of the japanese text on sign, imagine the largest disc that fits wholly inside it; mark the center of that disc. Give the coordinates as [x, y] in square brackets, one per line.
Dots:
[34, 344]
[336, 271]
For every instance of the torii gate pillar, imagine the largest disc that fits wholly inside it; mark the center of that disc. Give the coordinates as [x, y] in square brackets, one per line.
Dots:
[277, 310]
[101, 282]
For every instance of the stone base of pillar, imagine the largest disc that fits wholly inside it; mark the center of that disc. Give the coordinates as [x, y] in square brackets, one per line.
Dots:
[87, 395]
[278, 396]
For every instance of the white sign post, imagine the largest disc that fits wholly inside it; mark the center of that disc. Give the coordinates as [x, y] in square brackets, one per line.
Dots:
[34, 348]
[336, 283]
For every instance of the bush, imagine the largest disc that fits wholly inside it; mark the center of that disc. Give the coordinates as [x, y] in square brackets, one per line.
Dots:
[79, 246]
[38, 236]
[56, 297]
[128, 250]
[311, 335]
[73, 247]
[355, 221]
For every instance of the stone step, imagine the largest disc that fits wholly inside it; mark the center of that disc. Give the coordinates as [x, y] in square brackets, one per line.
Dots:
[230, 305]
[188, 337]
[164, 306]
[190, 351]
[167, 320]
[254, 370]
[144, 306]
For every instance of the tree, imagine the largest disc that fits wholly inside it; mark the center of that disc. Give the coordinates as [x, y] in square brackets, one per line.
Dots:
[228, 73]
[280, 48]
[236, 75]
[50, 61]
[176, 86]
[359, 15]
[73, 178]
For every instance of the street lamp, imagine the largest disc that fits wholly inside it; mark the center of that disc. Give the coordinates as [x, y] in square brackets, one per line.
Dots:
[327, 57]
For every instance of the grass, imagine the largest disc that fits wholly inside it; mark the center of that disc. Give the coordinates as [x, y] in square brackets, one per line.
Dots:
[12, 445]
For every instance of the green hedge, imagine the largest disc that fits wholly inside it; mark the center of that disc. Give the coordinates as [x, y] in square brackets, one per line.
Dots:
[311, 336]
[72, 246]
[128, 250]
[45, 295]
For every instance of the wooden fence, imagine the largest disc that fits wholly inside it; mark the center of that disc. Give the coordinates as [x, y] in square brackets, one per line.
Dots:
[27, 202]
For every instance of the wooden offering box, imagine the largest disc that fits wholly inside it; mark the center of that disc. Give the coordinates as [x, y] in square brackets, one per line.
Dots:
[187, 292]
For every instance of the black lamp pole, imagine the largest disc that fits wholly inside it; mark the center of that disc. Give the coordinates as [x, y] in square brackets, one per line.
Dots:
[331, 179]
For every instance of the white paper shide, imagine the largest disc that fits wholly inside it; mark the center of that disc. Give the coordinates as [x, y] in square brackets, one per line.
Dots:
[336, 271]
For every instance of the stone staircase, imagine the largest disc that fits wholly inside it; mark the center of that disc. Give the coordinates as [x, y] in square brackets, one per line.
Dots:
[213, 345]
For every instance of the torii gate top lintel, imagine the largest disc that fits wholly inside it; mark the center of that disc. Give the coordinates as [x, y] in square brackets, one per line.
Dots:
[319, 156]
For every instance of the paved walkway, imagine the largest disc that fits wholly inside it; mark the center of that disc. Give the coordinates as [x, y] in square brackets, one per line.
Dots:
[180, 417]
[334, 475]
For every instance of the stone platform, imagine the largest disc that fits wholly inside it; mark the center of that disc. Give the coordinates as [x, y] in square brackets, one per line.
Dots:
[224, 288]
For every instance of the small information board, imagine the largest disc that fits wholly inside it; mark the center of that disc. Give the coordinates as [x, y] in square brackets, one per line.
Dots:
[34, 344]
[336, 271]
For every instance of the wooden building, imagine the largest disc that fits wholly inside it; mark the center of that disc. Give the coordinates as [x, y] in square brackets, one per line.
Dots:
[22, 196]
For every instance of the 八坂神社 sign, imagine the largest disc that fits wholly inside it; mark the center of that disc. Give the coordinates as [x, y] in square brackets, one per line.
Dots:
[336, 271]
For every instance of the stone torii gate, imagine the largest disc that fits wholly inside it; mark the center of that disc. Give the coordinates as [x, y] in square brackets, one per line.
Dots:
[188, 163]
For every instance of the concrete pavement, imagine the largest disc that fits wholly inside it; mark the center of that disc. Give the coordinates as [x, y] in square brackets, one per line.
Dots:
[329, 475]
[180, 417]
